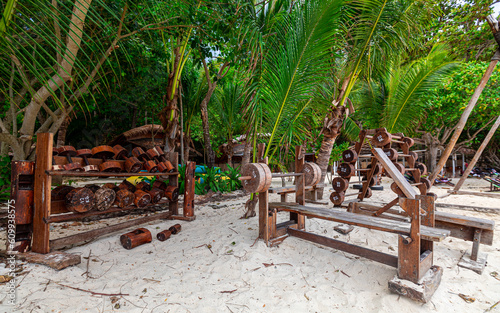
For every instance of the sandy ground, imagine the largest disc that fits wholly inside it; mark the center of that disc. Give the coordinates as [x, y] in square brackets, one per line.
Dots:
[215, 264]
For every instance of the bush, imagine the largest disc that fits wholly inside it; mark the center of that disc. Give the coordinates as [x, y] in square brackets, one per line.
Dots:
[4, 178]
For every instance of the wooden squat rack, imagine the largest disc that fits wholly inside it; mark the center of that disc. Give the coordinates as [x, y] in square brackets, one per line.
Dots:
[47, 211]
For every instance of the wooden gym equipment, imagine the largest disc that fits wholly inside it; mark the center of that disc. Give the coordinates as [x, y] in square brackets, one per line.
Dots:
[67, 203]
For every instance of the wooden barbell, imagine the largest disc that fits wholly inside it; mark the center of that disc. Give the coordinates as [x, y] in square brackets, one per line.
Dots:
[257, 177]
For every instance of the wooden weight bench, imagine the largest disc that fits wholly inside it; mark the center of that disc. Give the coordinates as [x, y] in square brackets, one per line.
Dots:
[417, 277]
[285, 190]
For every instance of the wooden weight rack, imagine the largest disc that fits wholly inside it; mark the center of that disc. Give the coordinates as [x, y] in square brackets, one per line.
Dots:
[390, 143]
[47, 211]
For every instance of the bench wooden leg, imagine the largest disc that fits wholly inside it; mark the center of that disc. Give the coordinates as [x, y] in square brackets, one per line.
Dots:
[264, 216]
[475, 244]
[474, 261]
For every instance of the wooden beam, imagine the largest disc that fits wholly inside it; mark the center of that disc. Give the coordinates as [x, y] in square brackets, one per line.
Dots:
[477, 155]
[88, 236]
[475, 193]
[398, 178]
[188, 206]
[377, 256]
[42, 187]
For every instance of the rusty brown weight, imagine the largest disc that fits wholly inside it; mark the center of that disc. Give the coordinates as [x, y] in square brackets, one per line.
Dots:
[104, 198]
[346, 170]
[349, 156]
[175, 229]
[337, 198]
[260, 177]
[368, 193]
[142, 198]
[125, 184]
[132, 164]
[414, 155]
[111, 186]
[22, 191]
[160, 185]
[400, 167]
[409, 141]
[421, 167]
[124, 198]
[68, 152]
[391, 153]
[164, 235]
[143, 186]
[172, 193]
[60, 192]
[84, 154]
[80, 200]
[105, 153]
[340, 184]
[93, 187]
[395, 188]
[148, 165]
[381, 138]
[312, 174]
[135, 238]
[156, 195]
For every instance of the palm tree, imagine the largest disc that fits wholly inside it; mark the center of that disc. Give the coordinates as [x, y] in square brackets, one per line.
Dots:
[396, 100]
[378, 31]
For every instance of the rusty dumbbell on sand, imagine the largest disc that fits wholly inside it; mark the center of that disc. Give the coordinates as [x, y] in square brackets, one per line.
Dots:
[135, 238]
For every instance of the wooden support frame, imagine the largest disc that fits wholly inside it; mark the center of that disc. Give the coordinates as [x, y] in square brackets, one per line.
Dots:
[44, 214]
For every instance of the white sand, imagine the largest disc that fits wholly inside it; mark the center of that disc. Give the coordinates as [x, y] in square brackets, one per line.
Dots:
[183, 275]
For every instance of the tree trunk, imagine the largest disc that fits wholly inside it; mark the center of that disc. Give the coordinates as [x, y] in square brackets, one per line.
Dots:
[331, 129]
[61, 135]
[246, 152]
[206, 125]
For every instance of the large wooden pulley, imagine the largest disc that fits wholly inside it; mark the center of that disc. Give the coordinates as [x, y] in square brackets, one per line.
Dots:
[104, 198]
[349, 156]
[256, 177]
[312, 174]
[346, 170]
[80, 200]
[172, 193]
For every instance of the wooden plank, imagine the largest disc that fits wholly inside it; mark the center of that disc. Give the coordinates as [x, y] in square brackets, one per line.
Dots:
[292, 189]
[409, 252]
[376, 223]
[468, 208]
[100, 174]
[377, 256]
[398, 178]
[43, 183]
[188, 205]
[300, 185]
[114, 209]
[471, 221]
[475, 193]
[93, 234]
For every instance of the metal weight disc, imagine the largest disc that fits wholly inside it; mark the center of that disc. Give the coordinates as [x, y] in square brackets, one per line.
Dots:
[349, 156]
[312, 174]
[340, 184]
[261, 177]
[104, 198]
[337, 197]
[426, 181]
[368, 193]
[381, 138]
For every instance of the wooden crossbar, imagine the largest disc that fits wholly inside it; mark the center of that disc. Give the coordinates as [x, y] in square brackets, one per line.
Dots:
[398, 178]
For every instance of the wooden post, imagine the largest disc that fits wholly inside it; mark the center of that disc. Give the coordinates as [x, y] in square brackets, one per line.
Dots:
[465, 116]
[43, 183]
[299, 184]
[264, 219]
[427, 204]
[173, 180]
[409, 252]
[477, 155]
[188, 208]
